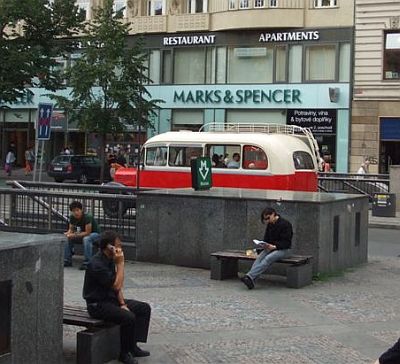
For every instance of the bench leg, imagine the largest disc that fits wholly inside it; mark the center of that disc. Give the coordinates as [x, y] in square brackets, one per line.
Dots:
[223, 268]
[98, 345]
[299, 275]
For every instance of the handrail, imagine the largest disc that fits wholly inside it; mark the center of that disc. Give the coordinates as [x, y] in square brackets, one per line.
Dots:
[253, 128]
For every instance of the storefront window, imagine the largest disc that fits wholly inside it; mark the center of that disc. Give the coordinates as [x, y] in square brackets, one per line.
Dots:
[250, 65]
[211, 61]
[187, 119]
[295, 63]
[325, 3]
[167, 66]
[221, 65]
[391, 64]
[189, 66]
[320, 63]
[344, 63]
[280, 64]
[154, 66]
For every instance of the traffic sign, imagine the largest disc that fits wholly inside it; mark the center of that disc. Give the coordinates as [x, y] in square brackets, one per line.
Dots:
[201, 173]
[44, 121]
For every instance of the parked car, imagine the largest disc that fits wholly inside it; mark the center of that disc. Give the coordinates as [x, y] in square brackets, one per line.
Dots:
[82, 168]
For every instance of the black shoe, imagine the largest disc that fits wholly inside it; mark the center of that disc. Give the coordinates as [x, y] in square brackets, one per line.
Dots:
[67, 264]
[248, 282]
[127, 359]
[83, 267]
[139, 352]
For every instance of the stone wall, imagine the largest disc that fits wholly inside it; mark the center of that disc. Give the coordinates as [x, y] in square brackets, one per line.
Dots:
[33, 264]
[183, 227]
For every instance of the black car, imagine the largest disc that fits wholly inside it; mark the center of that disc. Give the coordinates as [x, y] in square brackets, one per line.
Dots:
[82, 168]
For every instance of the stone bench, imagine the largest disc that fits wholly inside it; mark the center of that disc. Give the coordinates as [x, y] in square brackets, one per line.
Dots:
[298, 268]
[99, 342]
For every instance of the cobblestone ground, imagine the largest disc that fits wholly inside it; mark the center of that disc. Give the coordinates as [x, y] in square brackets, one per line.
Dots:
[346, 319]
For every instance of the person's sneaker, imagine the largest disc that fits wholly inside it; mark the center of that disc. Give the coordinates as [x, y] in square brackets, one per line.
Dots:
[139, 352]
[67, 264]
[83, 267]
[127, 359]
[248, 282]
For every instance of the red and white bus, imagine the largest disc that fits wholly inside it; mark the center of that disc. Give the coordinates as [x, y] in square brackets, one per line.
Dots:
[254, 156]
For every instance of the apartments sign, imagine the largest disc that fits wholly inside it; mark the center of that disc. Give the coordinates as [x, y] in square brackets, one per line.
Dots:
[296, 36]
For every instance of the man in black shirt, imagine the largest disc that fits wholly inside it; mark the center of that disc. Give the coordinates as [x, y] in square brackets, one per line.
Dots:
[102, 291]
[276, 245]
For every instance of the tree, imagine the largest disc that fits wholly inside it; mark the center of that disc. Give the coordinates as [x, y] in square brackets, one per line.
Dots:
[108, 80]
[30, 40]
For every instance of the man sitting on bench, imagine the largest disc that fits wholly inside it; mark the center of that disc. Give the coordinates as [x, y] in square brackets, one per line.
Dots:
[102, 291]
[276, 245]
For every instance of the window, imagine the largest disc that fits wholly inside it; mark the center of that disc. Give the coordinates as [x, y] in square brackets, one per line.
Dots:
[391, 62]
[273, 3]
[280, 64]
[224, 156]
[232, 4]
[254, 158]
[85, 6]
[187, 119]
[180, 156]
[167, 66]
[120, 5]
[244, 4]
[154, 66]
[259, 60]
[156, 156]
[156, 7]
[302, 160]
[259, 3]
[344, 62]
[320, 63]
[189, 65]
[197, 6]
[295, 63]
[325, 3]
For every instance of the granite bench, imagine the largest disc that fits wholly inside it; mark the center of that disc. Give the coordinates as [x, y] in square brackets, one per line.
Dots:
[99, 342]
[298, 268]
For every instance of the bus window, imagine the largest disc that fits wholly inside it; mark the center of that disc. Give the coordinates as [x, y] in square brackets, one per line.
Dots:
[156, 156]
[222, 155]
[180, 156]
[254, 158]
[302, 160]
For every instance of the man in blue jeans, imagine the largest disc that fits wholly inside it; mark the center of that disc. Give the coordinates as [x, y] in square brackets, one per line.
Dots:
[82, 228]
[276, 245]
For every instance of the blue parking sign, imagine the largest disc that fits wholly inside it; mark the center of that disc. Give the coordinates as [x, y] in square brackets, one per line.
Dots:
[44, 121]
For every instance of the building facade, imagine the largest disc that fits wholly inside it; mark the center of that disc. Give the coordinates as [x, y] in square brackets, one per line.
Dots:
[375, 132]
[248, 61]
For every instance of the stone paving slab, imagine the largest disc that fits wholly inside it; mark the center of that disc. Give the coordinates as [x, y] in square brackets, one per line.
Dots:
[347, 319]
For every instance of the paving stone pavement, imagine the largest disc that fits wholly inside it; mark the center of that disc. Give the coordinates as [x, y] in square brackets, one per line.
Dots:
[347, 319]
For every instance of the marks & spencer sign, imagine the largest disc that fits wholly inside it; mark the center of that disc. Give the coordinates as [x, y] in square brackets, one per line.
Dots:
[240, 96]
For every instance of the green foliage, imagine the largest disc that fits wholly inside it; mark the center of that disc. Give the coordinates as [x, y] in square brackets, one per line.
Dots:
[108, 80]
[30, 41]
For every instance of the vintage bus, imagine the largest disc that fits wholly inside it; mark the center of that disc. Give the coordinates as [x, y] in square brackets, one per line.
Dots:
[267, 156]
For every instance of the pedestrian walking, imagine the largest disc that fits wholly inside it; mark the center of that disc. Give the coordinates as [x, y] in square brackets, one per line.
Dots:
[29, 160]
[10, 159]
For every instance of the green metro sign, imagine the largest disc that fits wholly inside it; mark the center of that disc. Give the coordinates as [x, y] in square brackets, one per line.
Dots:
[201, 173]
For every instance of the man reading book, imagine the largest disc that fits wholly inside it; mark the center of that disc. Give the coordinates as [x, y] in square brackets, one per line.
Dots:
[278, 241]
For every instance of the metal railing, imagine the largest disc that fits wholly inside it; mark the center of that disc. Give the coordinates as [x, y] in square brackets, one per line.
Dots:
[366, 184]
[44, 211]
